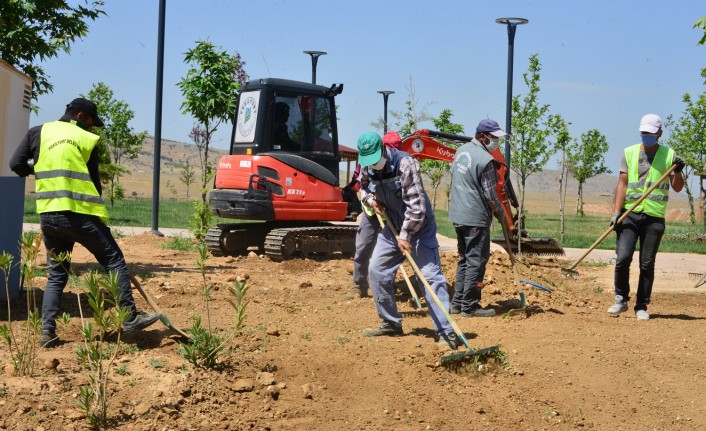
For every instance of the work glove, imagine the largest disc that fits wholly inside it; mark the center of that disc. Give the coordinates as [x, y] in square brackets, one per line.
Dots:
[614, 218]
[680, 164]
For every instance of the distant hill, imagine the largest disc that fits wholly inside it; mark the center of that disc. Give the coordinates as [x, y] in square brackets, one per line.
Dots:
[174, 155]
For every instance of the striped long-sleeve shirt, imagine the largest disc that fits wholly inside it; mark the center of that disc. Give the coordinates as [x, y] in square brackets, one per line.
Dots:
[413, 196]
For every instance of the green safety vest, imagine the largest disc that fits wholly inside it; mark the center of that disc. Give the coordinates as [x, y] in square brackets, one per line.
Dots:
[655, 204]
[63, 182]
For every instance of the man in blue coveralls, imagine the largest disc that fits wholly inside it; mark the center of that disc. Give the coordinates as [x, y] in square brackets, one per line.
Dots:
[396, 191]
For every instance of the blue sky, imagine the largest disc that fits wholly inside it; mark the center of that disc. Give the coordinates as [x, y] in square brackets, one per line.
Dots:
[604, 63]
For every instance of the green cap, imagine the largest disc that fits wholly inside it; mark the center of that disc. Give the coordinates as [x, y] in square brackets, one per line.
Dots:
[369, 149]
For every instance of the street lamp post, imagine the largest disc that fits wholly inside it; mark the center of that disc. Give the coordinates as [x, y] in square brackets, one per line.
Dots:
[511, 24]
[158, 120]
[385, 95]
[314, 59]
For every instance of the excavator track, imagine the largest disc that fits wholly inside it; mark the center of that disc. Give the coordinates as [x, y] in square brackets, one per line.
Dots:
[533, 246]
[306, 242]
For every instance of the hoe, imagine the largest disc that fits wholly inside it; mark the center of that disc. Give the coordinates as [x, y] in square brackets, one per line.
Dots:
[165, 320]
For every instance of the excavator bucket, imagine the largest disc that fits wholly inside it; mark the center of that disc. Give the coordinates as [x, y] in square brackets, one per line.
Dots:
[533, 246]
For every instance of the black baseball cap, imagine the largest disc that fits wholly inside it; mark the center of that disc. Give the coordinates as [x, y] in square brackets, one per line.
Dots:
[85, 105]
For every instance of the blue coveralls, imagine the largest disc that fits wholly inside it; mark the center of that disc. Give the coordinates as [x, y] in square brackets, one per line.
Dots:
[387, 257]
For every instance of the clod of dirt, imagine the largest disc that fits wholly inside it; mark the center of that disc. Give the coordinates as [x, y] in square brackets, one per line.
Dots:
[51, 364]
[308, 389]
[265, 379]
[243, 385]
[272, 391]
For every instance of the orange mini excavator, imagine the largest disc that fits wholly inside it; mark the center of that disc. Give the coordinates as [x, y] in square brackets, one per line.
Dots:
[423, 144]
[282, 175]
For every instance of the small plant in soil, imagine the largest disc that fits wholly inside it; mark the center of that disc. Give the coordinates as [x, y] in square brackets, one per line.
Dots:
[96, 356]
[22, 343]
[203, 348]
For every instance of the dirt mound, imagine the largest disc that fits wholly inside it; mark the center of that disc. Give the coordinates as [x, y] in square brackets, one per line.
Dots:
[301, 363]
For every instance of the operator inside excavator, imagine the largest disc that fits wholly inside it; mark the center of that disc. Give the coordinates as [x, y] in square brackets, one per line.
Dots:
[281, 140]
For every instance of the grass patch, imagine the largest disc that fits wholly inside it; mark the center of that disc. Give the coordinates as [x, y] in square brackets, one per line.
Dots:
[178, 242]
[581, 232]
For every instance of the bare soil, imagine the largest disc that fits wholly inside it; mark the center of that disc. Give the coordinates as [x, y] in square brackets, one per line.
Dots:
[301, 362]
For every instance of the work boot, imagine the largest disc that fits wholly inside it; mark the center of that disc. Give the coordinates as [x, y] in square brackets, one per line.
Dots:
[448, 341]
[478, 312]
[642, 315]
[620, 306]
[385, 328]
[48, 339]
[454, 309]
[139, 321]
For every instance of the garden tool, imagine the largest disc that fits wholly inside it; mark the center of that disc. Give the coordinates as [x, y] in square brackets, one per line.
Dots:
[702, 279]
[455, 357]
[570, 270]
[515, 272]
[164, 319]
[412, 291]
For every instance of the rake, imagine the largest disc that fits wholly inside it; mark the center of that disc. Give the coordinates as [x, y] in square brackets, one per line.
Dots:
[412, 291]
[164, 319]
[701, 277]
[570, 271]
[455, 357]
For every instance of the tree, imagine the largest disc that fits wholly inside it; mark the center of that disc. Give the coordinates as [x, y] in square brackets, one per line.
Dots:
[210, 89]
[588, 160]
[409, 120]
[187, 175]
[701, 23]
[562, 145]
[32, 31]
[436, 170]
[119, 139]
[688, 140]
[531, 130]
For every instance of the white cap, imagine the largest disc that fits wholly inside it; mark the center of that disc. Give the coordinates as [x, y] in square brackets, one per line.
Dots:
[650, 123]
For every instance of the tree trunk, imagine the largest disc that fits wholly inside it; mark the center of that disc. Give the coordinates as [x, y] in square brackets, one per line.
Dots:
[519, 217]
[580, 200]
[561, 200]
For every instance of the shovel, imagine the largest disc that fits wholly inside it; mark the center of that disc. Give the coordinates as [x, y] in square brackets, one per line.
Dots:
[570, 269]
[164, 319]
[470, 353]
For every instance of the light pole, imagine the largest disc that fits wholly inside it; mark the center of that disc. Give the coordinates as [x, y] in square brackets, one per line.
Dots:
[511, 24]
[385, 95]
[314, 59]
[158, 120]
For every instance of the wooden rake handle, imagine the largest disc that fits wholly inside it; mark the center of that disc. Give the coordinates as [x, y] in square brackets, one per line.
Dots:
[404, 273]
[431, 292]
[622, 217]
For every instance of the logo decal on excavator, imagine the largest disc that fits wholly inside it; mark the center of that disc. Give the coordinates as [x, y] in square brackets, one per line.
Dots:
[247, 117]
[445, 153]
[418, 146]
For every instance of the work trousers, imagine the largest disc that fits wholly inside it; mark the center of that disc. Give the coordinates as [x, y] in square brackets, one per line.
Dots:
[365, 239]
[387, 257]
[61, 231]
[473, 245]
[649, 231]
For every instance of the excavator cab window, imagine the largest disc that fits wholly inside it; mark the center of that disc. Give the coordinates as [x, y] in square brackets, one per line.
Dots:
[302, 124]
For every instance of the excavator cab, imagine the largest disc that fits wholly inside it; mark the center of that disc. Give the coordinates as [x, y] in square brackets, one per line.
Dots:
[284, 118]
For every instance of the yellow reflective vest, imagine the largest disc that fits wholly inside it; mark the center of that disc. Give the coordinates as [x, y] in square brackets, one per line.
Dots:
[63, 182]
[655, 204]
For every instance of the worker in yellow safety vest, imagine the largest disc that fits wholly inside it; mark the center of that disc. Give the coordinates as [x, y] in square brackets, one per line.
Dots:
[641, 166]
[62, 156]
